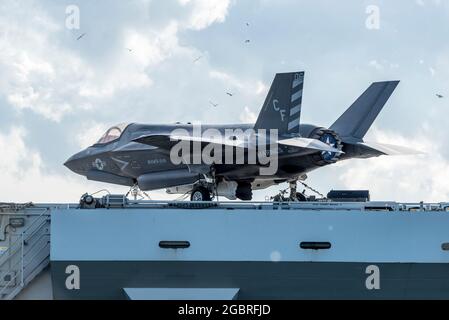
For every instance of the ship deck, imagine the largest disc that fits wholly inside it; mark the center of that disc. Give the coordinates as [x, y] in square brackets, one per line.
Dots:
[34, 237]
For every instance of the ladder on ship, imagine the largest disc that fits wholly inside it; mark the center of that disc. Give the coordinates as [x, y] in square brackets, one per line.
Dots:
[27, 254]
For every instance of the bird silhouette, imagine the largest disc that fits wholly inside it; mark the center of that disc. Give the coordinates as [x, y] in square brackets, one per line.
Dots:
[439, 96]
[229, 94]
[247, 41]
[81, 36]
[213, 104]
[197, 59]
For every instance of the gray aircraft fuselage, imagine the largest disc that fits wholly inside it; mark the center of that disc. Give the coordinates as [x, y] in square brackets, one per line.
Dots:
[125, 160]
[139, 154]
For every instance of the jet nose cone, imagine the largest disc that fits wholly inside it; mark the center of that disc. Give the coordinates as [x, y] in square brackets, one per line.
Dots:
[70, 163]
[74, 163]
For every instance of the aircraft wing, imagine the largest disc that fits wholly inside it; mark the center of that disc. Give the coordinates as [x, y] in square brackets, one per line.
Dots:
[156, 140]
[217, 141]
[168, 141]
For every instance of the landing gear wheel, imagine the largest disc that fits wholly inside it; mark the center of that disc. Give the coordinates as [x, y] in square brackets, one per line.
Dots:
[200, 194]
[300, 197]
[244, 191]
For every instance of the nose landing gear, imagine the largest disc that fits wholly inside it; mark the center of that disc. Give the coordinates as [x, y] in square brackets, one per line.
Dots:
[137, 193]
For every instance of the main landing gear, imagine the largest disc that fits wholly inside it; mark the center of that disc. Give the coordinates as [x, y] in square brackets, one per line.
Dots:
[211, 186]
[293, 196]
[200, 193]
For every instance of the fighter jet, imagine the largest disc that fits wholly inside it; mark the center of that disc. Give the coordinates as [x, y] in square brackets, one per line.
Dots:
[141, 155]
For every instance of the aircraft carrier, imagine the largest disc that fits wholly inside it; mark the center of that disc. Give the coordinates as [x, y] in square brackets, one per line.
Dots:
[116, 248]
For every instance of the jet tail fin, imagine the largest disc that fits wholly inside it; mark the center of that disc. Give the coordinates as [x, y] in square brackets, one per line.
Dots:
[356, 121]
[282, 107]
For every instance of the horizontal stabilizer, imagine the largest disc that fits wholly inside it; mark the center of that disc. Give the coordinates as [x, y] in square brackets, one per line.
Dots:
[389, 149]
[309, 144]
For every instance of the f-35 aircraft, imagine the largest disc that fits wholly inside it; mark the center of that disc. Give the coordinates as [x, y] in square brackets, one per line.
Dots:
[140, 155]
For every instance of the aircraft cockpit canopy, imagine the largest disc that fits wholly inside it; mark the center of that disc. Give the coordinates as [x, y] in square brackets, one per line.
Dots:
[113, 133]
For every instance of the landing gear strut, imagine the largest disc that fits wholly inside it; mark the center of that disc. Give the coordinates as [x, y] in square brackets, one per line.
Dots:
[292, 186]
[137, 194]
[207, 189]
[294, 195]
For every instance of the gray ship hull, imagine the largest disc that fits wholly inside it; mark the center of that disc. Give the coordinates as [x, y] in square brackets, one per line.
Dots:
[257, 251]
[257, 280]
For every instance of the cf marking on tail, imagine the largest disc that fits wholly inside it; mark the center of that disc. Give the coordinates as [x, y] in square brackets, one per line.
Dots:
[282, 108]
[277, 109]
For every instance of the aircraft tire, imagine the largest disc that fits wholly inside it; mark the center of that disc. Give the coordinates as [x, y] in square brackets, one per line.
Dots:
[244, 191]
[200, 194]
[300, 197]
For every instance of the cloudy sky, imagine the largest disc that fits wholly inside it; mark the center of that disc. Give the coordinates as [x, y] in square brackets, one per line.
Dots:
[138, 62]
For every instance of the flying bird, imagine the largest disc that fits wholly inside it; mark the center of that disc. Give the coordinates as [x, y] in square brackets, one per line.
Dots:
[81, 36]
[213, 104]
[197, 59]
[229, 94]
[247, 24]
[439, 96]
[130, 50]
[247, 41]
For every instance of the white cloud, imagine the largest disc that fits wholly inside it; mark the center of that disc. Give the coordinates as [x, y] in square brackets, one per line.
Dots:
[89, 133]
[401, 178]
[43, 73]
[12, 147]
[29, 78]
[226, 78]
[247, 116]
[205, 12]
[380, 66]
[249, 87]
[26, 178]
[423, 3]
[37, 79]
[420, 3]
[261, 88]
[377, 65]
[40, 73]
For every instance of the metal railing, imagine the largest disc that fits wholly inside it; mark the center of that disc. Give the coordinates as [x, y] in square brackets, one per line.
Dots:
[254, 205]
[26, 256]
[269, 205]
